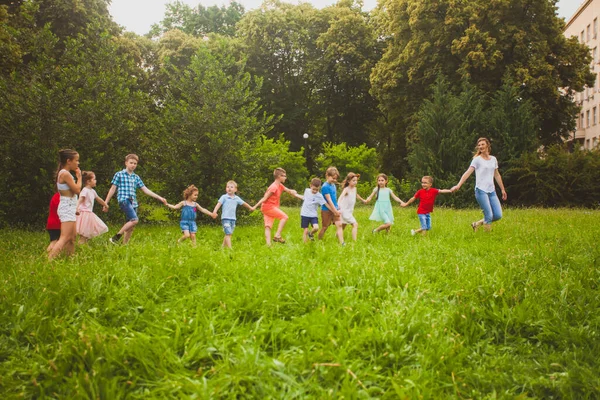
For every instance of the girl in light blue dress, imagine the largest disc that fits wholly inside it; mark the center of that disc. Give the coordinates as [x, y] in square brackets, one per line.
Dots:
[383, 206]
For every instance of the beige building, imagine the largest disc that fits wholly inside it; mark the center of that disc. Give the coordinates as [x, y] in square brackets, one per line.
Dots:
[584, 25]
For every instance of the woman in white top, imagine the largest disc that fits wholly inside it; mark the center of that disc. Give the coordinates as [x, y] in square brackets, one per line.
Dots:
[486, 169]
[68, 189]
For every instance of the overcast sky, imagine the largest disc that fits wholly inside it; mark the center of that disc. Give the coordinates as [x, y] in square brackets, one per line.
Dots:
[139, 15]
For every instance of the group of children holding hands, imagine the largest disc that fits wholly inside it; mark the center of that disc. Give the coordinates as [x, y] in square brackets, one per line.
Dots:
[71, 208]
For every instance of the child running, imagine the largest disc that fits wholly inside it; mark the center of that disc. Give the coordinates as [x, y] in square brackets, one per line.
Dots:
[88, 224]
[383, 206]
[426, 198]
[309, 213]
[229, 201]
[125, 183]
[331, 213]
[188, 214]
[53, 222]
[270, 205]
[68, 189]
[348, 201]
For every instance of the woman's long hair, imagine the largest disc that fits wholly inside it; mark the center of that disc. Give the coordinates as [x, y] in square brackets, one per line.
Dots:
[489, 146]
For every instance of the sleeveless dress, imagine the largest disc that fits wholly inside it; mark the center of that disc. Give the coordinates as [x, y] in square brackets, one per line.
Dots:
[88, 224]
[347, 203]
[188, 213]
[383, 208]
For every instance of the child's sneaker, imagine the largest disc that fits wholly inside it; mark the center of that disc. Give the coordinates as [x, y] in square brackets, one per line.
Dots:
[311, 236]
[115, 239]
[412, 232]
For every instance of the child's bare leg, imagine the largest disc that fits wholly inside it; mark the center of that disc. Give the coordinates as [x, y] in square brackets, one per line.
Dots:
[315, 229]
[227, 241]
[322, 231]
[354, 231]
[339, 231]
[127, 230]
[305, 235]
[66, 242]
[280, 227]
[82, 239]
[193, 238]
[51, 246]
[383, 227]
[185, 235]
[268, 235]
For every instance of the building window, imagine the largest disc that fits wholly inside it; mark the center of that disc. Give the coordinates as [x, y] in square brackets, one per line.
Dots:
[594, 55]
[594, 143]
[587, 119]
[588, 33]
[595, 28]
[582, 37]
[595, 115]
[581, 122]
[587, 144]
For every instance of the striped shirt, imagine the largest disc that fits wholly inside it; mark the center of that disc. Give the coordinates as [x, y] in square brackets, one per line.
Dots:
[126, 185]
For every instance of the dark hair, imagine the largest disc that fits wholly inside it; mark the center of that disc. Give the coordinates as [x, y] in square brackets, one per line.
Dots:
[349, 177]
[64, 155]
[384, 176]
[87, 176]
[316, 182]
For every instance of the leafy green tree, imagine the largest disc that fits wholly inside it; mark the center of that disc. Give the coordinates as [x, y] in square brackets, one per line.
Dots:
[199, 21]
[486, 42]
[85, 96]
[555, 178]
[349, 50]
[207, 125]
[279, 40]
[359, 159]
[513, 123]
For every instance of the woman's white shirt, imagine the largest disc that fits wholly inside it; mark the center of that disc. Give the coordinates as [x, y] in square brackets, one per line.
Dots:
[484, 173]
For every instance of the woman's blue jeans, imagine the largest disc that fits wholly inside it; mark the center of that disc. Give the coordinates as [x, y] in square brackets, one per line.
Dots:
[490, 205]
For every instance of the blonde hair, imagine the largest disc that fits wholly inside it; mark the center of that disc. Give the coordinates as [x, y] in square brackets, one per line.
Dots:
[189, 191]
[332, 171]
[132, 156]
[489, 146]
[278, 172]
[428, 178]
[234, 183]
[349, 177]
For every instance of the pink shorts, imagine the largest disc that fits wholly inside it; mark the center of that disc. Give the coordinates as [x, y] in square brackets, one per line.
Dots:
[272, 214]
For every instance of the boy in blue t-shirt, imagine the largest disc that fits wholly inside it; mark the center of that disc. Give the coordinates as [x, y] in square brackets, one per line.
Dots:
[229, 201]
[329, 192]
[309, 213]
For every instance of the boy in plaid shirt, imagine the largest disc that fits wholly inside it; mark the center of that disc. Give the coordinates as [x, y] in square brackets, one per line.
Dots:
[127, 182]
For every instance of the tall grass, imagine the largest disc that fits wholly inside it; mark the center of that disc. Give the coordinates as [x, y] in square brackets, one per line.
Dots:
[511, 313]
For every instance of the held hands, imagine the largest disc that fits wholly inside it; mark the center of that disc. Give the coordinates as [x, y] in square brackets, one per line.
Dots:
[105, 208]
[213, 215]
[162, 200]
[454, 188]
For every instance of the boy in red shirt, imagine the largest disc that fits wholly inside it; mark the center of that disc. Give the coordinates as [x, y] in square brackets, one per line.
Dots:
[53, 223]
[427, 197]
[270, 205]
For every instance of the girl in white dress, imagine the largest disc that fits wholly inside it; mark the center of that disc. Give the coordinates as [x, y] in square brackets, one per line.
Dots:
[347, 202]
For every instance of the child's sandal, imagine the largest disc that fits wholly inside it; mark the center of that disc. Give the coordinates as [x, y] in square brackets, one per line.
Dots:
[278, 239]
[474, 226]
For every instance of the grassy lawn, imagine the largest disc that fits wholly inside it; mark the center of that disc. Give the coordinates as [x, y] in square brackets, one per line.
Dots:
[511, 313]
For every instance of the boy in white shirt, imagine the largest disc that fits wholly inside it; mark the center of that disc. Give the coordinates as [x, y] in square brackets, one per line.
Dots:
[309, 214]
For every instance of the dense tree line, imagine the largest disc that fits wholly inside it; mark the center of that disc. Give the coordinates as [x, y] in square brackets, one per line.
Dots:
[214, 93]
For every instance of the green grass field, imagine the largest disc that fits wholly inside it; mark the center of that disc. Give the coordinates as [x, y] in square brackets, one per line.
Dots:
[514, 313]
